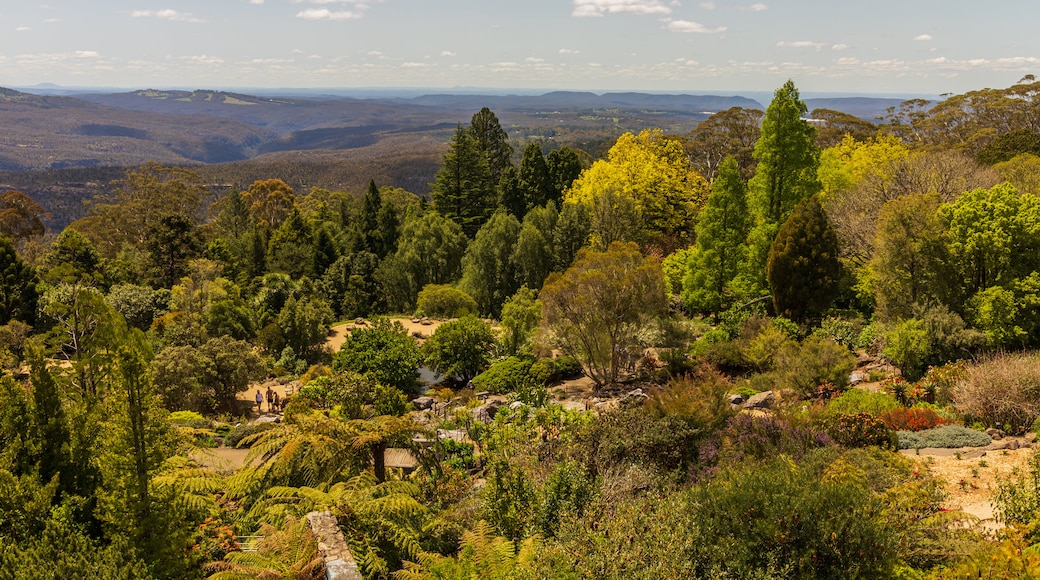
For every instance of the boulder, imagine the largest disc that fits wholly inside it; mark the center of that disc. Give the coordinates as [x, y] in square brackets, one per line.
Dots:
[763, 400]
[858, 377]
[515, 405]
[995, 434]
[423, 403]
[736, 399]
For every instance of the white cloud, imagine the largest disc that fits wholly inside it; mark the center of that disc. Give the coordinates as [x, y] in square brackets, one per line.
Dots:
[568, 51]
[447, 53]
[706, 5]
[690, 26]
[839, 46]
[801, 44]
[256, 2]
[326, 14]
[22, 28]
[923, 37]
[534, 59]
[584, 8]
[417, 65]
[757, 7]
[203, 59]
[52, 20]
[86, 54]
[166, 14]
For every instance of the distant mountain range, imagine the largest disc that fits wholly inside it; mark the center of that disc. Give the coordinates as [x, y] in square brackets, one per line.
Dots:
[325, 140]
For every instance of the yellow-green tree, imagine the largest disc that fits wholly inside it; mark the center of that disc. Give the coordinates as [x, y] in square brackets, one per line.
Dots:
[654, 175]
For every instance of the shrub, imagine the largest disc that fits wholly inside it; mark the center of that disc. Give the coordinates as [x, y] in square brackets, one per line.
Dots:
[913, 419]
[842, 331]
[445, 301]
[872, 338]
[1004, 391]
[503, 376]
[861, 401]
[946, 437]
[817, 361]
[190, 419]
[567, 367]
[859, 430]
[542, 371]
[386, 351]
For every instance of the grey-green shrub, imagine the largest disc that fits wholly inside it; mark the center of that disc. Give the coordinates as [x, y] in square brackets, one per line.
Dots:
[945, 437]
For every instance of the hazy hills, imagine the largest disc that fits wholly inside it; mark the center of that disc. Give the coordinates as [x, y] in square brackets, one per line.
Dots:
[60, 149]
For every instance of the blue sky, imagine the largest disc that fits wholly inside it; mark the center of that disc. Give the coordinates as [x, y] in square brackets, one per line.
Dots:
[880, 46]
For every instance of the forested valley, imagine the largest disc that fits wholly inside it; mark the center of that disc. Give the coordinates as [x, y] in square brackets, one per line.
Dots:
[751, 350]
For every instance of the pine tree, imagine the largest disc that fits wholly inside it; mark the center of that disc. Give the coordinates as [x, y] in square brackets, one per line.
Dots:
[461, 192]
[368, 219]
[17, 286]
[722, 230]
[535, 180]
[493, 144]
[803, 267]
[788, 159]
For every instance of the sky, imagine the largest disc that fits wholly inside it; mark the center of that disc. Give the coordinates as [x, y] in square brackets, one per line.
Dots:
[897, 47]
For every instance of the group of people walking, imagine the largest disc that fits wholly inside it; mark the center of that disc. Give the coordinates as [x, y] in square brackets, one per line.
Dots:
[274, 402]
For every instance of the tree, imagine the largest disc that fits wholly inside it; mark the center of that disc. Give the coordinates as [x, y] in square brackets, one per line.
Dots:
[520, 317]
[385, 351]
[460, 349]
[304, 323]
[291, 248]
[270, 201]
[429, 251]
[141, 199]
[489, 274]
[72, 257]
[732, 132]
[786, 174]
[17, 286]
[461, 192]
[535, 252]
[803, 268]
[787, 158]
[535, 180]
[833, 126]
[21, 218]
[654, 176]
[171, 242]
[596, 310]
[564, 167]
[492, 143]
[909, 257]
[722, 230]
[571, 233]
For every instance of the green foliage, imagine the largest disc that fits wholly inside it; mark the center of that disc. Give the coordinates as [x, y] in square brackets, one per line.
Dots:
[947, 437]
[855, 401]
[859, 430]
[509, 501]
[503, 376]
[246, 430]
[1017, 500]
[444, 301]
[18, 294]
[429, 251]
[488, 271]
[596, 310]
[385, 350]
[461, 191]
[521, 314]
[722, 230]
[803, 267]
[460, 349]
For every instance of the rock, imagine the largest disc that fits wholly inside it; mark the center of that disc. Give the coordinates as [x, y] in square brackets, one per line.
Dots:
[424, 403]
[1014, 444]
[995, 434]
[425, 321]
[763, 400]
[359, 321]
[736, 399]
[484, 413]
[515, 405]
[858, 377]
[633, 395]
